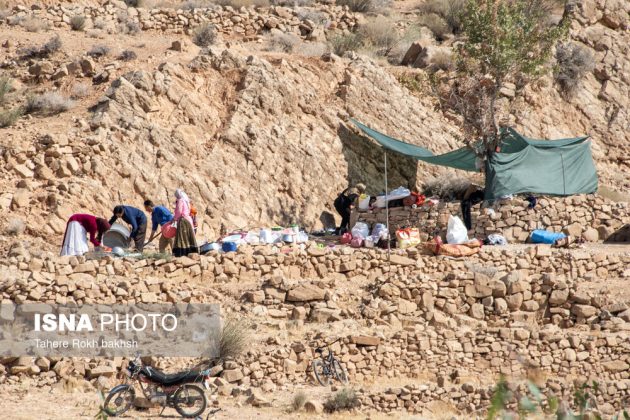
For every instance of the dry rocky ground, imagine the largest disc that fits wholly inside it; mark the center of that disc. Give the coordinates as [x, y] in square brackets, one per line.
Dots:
[256, 129]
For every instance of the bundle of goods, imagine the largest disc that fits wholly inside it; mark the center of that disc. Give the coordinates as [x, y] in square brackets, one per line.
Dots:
[437, 247]
[407, 237]
[414, 200]
[539, 236]
[397, 194]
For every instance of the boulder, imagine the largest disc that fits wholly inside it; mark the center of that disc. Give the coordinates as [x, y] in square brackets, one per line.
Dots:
[365, 340]
[312, 406]
[306, 293]
[584, 311]
[232, 375]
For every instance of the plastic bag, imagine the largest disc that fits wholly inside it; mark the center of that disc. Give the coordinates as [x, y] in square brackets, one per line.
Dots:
[364, 202]
[398, 193]
[539, 236]
[378, 230]
[407, 237]
[346, 238]
[381, 202]
[360, 229]
[456, 232]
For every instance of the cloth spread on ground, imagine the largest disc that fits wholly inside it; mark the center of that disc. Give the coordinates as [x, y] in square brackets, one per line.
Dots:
[185, 241]
[75, 240]
[160, 216]
[135, 217]
[438, 247]
[522, 165]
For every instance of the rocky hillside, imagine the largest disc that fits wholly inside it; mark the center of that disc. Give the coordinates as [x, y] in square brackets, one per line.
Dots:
[258, 137]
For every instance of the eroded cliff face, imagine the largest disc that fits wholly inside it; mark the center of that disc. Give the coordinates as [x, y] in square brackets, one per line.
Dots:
[261, 138]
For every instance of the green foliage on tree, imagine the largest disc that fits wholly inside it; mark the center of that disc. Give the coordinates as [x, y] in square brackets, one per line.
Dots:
[503, 41]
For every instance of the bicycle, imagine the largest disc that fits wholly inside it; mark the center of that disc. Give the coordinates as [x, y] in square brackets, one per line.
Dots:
[328, 367]
[168, 390]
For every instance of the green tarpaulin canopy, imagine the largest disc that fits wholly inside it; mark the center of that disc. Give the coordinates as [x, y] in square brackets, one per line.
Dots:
[523, 165]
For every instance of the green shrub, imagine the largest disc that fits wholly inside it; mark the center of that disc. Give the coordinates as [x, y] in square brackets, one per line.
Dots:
[77, 23]
[343, 43]
[204, 35]
[345, 399]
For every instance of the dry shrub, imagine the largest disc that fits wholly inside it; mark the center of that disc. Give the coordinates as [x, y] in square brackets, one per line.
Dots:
[450, 12]
[441, 60]
[342, 43]
[49, 103]
[436, 24]
[574, 61]
[345, 399]
[313, 49]
[135, 3]
[99, 23]
[446, 187]
[314, 16]
[293, 3]
[237, 4]
[234, 338]
[15, 227]
[5, 88]
[99, 51]
[49, 48]
[364, 6]
[8, 117]
[77, 23]
[193, 4]
[284, 42]
[80, 90]
[380, 33]
[128, 55]
[298, 401]
[33, 24]
[204, 35]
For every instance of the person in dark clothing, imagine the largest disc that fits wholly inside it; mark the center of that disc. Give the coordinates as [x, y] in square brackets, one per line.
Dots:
[473, 195]
[138, 221]
[344, 204]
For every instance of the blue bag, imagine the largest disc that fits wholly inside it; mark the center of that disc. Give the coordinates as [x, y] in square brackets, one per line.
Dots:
[545, 237]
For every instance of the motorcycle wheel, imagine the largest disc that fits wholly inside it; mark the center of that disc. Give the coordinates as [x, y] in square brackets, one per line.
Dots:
[189, 401]
[119, 401]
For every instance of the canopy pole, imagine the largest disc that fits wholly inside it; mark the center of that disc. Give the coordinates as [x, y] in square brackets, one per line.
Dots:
[389, 242]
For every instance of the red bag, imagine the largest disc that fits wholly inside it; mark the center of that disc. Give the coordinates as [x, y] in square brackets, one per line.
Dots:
[356, 242]
[346, 238]
[168, 230]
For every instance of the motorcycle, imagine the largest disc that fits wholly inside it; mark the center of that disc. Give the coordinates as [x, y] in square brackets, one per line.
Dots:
[177, 390]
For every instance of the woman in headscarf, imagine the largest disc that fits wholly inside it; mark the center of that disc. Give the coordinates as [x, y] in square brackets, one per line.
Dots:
[185, 241]
[75, 240]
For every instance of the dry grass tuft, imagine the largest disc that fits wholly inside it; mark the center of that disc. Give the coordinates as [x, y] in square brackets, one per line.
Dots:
[574, 61]
[365, 6]
[77, 23]
[298, 401]
[283, 42]
[33, 24]
[49, 103]
[99, 51]
[345, 399]
[204, 35]
[235, 338]
[15, 227]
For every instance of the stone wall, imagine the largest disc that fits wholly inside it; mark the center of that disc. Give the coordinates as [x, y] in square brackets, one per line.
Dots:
[501, 311]
[244, 21]
[590, 215]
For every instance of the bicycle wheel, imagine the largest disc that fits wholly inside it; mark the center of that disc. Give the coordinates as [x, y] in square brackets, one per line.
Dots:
[340, 372]
[321, 372]
[189, 400]
[119, 400]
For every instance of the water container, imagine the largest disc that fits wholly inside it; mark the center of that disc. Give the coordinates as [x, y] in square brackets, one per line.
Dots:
[229, 246]
[364, 202]
[117, 236]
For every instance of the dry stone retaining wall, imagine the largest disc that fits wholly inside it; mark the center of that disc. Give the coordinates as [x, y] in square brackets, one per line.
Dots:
[588, 215]
[243, 21]
[500, 311]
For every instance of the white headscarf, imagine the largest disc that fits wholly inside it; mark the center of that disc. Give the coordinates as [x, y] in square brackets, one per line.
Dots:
[181, 195]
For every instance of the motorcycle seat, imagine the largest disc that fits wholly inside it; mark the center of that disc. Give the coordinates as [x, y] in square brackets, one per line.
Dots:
[171, 378]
